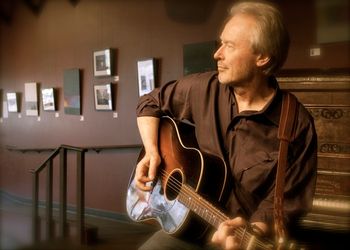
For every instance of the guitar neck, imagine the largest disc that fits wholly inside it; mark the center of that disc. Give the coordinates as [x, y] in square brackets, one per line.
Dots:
[202, 207]
[215, 217]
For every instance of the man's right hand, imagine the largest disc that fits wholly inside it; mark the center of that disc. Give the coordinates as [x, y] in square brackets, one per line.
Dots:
[146, 170]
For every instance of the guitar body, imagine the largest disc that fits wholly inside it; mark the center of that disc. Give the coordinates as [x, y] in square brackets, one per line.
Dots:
[183, 167]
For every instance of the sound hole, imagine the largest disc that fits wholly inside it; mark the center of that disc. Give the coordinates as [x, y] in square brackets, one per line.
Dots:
[173, 185]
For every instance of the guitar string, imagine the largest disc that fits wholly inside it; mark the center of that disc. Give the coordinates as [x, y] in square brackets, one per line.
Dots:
[239, 231]
[176, 186]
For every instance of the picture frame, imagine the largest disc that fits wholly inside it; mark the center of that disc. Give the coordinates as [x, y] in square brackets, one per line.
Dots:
[198, 57]
[12, 102]
[31, 99]
[331, 27]
[146, 75]
[103, 96]
[103, 62]
[72, 92]
[48, 99]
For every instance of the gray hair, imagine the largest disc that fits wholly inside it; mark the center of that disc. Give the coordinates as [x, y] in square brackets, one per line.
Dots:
[270, 37]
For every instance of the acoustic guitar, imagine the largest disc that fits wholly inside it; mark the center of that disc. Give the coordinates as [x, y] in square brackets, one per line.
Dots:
[190, 186]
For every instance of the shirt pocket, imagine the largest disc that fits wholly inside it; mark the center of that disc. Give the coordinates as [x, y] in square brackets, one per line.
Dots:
[255, 171]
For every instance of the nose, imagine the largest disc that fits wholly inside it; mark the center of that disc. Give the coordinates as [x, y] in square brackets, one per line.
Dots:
[218, 53]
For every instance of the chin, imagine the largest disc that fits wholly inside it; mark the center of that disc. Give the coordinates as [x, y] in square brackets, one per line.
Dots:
[223, 79]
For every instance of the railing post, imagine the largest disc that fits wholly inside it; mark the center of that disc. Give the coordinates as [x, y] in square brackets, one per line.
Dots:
[80, 195]
[63, 193]
[35, 208]
[49, 190]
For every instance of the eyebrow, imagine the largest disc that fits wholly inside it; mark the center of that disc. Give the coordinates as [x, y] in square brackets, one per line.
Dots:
[226, 41]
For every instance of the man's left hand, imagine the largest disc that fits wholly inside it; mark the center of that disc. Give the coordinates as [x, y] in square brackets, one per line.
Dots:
[225, 235]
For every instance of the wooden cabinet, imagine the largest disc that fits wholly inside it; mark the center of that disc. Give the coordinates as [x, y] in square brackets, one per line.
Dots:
[327, 97]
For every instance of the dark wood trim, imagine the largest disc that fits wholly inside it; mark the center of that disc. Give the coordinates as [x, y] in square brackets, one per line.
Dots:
[314, 72]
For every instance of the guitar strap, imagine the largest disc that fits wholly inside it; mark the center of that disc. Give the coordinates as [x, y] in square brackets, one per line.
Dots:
[286, 134]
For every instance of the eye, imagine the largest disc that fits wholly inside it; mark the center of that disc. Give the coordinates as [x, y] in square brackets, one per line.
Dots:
[230, 45]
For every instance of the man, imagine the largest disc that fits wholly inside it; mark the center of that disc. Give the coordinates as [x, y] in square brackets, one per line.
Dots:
[236, 113]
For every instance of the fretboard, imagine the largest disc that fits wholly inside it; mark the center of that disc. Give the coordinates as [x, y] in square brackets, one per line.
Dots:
[188, 197]
[202, 207]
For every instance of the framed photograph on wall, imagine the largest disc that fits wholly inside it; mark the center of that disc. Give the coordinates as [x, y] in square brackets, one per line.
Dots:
[31, 99]
[71, 91]
[146, 75]
[103, 96]
[198, 57]
[12, 102]
[48, 97]
[333, 24]
[103, 62]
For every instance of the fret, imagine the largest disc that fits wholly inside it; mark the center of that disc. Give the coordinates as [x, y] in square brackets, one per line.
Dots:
[193, 203]
[216, 223]
[215, 217]
[251, 243]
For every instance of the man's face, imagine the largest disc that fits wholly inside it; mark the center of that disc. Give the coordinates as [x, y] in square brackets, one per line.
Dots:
[236, 59]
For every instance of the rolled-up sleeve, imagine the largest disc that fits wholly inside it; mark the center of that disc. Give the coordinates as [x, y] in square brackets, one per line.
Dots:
[175, 99]
[148, 105]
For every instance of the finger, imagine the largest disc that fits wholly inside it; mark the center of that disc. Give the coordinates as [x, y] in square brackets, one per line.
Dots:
[236, 222]
[152, 171]
[224, 230]
[227, 229]
[142, 168]
[142, 185]
[231, 243]
[214, 238]
[141, 177]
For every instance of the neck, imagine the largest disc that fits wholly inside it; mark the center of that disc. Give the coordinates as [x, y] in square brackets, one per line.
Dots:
[254, 95]
[215, 217]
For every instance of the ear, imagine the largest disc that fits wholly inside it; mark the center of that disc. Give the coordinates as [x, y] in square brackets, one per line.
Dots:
[262, 60]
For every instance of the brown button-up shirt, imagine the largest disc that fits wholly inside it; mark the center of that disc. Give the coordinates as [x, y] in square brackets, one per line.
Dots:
[247, 141]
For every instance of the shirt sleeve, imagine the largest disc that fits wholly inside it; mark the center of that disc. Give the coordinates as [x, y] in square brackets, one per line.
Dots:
[300, 175]
[175, 98]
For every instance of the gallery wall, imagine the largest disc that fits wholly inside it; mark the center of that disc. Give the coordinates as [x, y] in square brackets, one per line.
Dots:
[39, 47]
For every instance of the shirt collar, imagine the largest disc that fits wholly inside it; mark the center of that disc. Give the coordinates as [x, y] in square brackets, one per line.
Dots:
[272, 110]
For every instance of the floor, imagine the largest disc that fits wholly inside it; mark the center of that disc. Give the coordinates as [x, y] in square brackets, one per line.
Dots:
[15, 231]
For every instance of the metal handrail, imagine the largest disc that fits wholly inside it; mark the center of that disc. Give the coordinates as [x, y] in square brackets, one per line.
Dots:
[42, 166]
[62, 151]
